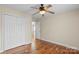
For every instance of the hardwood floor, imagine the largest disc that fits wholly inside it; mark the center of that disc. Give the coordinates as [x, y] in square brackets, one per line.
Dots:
[19, 50]
[42, 47]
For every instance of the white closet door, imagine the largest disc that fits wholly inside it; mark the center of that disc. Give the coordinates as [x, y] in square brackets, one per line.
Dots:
[0, 33]
[15, 28]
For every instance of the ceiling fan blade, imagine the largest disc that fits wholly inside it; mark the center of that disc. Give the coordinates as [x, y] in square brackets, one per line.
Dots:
[34, 7]
[51, 12]
[49, 6]
[35, 13]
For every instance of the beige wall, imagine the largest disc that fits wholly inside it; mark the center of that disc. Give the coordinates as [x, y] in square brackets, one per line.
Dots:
[62, 28]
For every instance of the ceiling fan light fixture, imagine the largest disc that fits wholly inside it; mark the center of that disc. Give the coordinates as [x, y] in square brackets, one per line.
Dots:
[42, 12]
[43, 9]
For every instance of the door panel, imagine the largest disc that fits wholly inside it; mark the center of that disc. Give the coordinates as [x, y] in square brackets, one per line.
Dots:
[0, 33]
[14, 31]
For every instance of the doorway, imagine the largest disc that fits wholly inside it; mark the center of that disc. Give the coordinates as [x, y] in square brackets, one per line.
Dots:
[35, 32]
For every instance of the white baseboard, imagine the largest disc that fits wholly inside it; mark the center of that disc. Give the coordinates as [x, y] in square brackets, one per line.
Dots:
[14, 47]
[65, 45]
[1, 51]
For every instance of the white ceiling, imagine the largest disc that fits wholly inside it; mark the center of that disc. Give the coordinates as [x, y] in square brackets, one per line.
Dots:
[58, 8]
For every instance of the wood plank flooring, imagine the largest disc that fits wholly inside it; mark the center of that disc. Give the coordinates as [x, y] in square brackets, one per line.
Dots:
[19, 50]
[42, 47]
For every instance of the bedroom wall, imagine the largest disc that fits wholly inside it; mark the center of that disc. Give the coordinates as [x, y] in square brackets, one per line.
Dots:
[19, 24]
[61, 28]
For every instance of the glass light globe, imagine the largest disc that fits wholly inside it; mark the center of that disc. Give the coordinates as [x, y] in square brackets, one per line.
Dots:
[42, 12]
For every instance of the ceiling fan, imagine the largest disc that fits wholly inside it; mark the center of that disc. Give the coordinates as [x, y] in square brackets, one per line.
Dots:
[43, 9]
